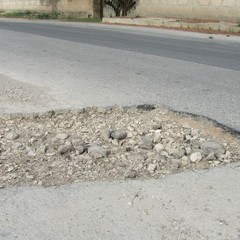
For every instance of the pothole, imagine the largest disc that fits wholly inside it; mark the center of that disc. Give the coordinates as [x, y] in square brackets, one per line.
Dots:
[65, 146]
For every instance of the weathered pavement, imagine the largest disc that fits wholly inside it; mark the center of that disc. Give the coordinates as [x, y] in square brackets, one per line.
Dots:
[81, 65]
[191, 205]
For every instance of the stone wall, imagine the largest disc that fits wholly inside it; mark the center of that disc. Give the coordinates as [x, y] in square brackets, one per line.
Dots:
[205, 9]
[82, 7]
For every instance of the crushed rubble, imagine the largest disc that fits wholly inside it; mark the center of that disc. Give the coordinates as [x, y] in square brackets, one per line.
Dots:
[65, 146]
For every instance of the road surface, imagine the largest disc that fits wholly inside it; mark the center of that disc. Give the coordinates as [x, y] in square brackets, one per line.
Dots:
[200, 205]
[46, 65]
[78, 65]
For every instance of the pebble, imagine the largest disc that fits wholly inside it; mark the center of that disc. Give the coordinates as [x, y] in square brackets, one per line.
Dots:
[115, 142]
[184, 160]
[97, 151]
[12, 136]
[32, 153]
[105, 134]
[10, 169]
[119, 134]
[146, 143]
[131, 129]
[211, 156]
[79, 149]
[159, 147]
[157, 126]
[42, 150]
[188, 150]
[130, 174]
[152, 167]
[157, 136]
[17, 145]
[187, 137]
[65, 148]
[62, 136]
[130, 135]
[177, 153]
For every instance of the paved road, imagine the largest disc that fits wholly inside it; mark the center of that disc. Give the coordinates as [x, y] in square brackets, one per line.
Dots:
[52, 65]
[188, 206]
[78, 65]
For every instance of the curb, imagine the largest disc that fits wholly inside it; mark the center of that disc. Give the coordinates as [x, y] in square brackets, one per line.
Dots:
[175, 23]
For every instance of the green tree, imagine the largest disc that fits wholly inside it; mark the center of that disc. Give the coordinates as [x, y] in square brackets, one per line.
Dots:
[121, 6]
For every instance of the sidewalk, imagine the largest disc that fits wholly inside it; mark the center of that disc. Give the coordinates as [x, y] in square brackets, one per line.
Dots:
[185, 206]
[190, 24]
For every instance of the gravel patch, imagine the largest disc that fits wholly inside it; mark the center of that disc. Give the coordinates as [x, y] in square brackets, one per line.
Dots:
[65, 146]
[15, 95]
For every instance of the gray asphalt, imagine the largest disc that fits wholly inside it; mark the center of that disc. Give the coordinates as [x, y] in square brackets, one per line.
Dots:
[84, 65]
[46, 65]
[200, 205]
[205, 52]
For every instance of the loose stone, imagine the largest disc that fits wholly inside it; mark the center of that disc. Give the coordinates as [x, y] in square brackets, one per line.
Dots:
[12, 136]
[178, 153]
[119, 134]
[32, 153]
[42, 150]
[188, 150]
[62, 136]
[157, 126]
[159, 147]
[64, 149]
[79, 149]
[97, 151]
[212, 146]
[211, 156]
[105, 134]
[130, 174]
[146, 143]
[195, 157]
[115, 142]
[152, 167]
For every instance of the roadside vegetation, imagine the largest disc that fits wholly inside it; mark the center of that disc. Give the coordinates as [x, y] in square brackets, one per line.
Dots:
[51, 15]
[121, 7]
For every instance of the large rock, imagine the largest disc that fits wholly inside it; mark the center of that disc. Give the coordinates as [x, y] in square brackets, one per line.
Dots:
[212, 146]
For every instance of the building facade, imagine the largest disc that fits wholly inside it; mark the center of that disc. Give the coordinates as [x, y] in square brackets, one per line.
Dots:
[84, 8]
[201, 9]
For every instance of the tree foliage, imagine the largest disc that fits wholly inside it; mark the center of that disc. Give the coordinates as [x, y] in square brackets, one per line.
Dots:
[121, 6]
